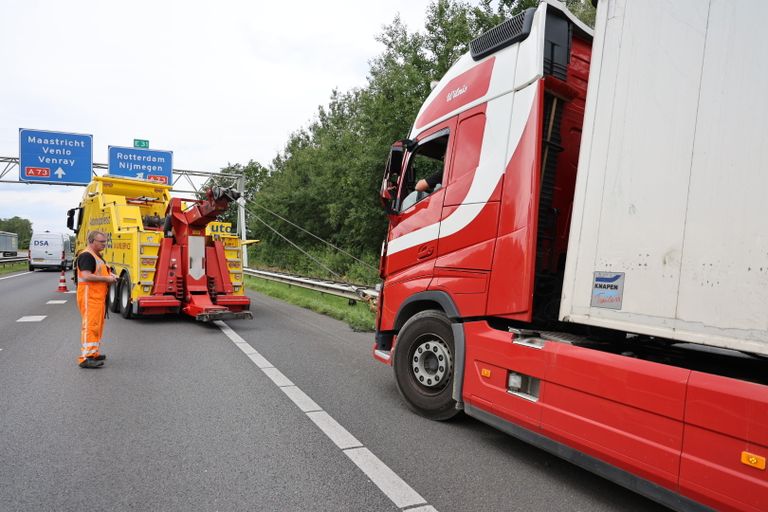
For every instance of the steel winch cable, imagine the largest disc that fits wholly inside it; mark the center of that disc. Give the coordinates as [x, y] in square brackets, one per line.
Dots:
[315, 236]
[249, 203]
[296, 246]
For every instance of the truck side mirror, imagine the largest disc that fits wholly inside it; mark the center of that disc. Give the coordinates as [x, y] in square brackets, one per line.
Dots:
[388, 192]
[71, 219]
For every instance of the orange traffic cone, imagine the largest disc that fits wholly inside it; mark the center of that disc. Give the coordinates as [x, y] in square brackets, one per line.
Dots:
[62, 283]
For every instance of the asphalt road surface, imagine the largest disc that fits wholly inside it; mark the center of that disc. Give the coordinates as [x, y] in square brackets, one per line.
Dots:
[286, 412]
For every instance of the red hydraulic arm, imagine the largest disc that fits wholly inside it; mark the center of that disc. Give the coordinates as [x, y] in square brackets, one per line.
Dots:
[193, 267]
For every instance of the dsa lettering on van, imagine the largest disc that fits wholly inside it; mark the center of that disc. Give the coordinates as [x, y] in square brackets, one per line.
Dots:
[40, 243]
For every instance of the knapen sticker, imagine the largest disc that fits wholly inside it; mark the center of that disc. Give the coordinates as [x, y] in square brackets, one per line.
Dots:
[607, 290]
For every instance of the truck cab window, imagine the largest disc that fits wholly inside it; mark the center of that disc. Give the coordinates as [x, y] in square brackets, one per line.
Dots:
[427, 162]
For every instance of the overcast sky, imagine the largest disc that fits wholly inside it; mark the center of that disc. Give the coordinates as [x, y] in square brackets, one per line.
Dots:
[215, 83]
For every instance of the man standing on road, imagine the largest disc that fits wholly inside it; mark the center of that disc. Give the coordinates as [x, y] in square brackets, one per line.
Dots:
[93, 280]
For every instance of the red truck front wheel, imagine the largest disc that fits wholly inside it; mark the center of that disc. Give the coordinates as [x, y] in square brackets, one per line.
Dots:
[423, 365]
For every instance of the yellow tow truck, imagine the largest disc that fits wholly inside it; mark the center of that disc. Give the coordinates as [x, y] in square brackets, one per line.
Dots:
[171, 255]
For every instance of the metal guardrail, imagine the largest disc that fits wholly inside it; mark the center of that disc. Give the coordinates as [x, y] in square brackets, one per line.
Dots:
[10, 261]
[346, 290]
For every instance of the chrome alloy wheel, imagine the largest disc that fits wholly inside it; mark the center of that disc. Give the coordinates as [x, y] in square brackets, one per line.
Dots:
[431, 362]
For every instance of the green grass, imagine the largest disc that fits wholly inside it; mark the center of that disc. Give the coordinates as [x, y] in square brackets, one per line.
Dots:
[7, 268]
[360, 317]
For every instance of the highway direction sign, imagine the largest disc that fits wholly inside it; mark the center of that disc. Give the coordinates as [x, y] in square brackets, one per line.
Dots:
[145, 164]
[55, 157]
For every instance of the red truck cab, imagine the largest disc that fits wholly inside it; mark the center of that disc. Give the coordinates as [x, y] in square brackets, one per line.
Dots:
[473, 274]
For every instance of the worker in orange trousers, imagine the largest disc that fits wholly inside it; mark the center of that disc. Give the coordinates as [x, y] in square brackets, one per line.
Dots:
[93, 280]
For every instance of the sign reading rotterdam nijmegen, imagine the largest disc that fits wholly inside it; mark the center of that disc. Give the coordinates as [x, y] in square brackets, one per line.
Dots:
[145, 164]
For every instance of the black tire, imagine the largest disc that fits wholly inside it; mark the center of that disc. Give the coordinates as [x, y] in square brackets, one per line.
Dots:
[113, 298]
[31, 268]
[424, 365]
[125, 295]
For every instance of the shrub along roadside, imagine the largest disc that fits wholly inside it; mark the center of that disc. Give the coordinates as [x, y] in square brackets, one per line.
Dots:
[358, 316]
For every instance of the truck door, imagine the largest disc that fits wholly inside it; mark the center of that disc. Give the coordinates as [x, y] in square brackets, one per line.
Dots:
[415, 225]
[465, 253]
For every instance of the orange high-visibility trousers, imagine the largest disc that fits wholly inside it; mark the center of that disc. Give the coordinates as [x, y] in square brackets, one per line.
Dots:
[91, 300]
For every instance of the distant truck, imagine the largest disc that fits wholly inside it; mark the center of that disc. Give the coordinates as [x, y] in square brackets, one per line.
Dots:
[9, 244]
[170, 254]
[52, 251]
[592, 274]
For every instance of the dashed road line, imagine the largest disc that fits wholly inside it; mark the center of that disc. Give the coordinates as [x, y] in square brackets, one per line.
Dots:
[16, 275]
[32, 318]
[56, 302]
[394, 487]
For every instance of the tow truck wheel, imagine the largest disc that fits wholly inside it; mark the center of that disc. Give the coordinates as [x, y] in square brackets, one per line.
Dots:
[423, 365]
[125, 295]
[113, 304]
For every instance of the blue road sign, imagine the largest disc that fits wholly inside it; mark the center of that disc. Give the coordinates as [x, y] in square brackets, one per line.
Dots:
[55, 157]
[145, 164]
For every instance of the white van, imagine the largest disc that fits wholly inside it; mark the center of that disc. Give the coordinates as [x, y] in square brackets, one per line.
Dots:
[50, 250]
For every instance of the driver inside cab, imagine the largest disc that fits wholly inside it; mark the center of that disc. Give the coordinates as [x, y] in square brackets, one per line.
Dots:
[429, 183]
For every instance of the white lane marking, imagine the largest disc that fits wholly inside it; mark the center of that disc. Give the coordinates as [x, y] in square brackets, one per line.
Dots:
[16, 275]
[232, 335]
[243, 345]
[335, 432]
[277, 377]
[246, 348]
[394, 487]
[32, 318]
[259, 361]
[385, 479]
[301, 399]
[70, 291]
[56, 302]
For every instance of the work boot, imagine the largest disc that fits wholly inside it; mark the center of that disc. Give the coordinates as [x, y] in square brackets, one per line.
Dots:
[91, 363]
[100, 357]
